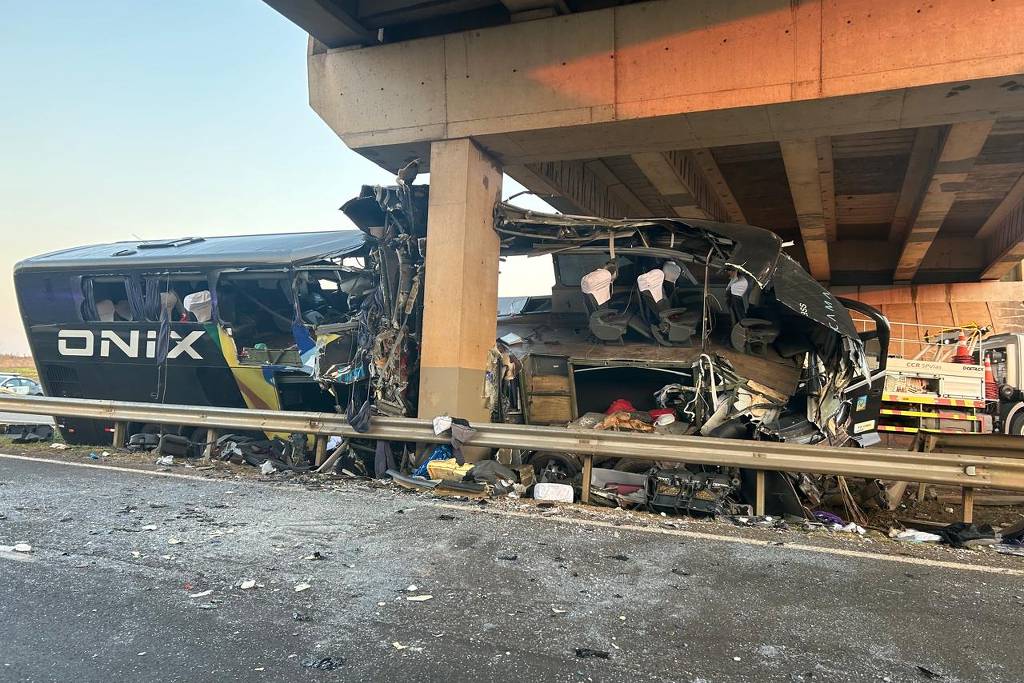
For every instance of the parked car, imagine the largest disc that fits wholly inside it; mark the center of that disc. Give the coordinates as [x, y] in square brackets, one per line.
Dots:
[16, 384]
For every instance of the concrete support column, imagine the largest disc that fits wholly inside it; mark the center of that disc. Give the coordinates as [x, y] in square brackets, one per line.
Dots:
[461, 296]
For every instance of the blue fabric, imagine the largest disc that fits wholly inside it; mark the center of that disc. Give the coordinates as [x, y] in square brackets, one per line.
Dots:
[303, 339]
[136, 297]
[163, 336]
[441, 452]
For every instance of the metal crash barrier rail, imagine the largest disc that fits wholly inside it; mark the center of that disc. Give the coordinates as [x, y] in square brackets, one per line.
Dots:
[974, 469]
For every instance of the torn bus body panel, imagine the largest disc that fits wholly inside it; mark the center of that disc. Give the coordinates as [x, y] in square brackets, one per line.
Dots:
[385, 359]
[710, 322]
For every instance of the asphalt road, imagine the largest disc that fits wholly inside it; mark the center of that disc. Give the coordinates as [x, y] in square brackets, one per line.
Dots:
[101, 598]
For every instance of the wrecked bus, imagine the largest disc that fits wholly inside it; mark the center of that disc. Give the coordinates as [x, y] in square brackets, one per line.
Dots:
[670, 325]
[281, 322]
[680, 326]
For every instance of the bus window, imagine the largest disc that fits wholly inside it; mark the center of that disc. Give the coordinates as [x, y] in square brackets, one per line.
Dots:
[258, 309]
[105, 300]
[174, 289]
[49, 298]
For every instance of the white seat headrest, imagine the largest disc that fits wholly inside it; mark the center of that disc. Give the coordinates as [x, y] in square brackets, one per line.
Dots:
[200, 304]
[168, 300]
[672, 271]
[652, 281]
[123, 310]
[105, 310]
[598, 283]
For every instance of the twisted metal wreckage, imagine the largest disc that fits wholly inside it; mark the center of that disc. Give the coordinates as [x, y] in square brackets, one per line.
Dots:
[710, 328]
[670, 325]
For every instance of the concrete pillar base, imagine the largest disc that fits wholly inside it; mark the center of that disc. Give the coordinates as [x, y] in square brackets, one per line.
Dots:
[461, 294]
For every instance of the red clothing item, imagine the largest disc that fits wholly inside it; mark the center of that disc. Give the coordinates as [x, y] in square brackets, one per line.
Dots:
[619, 405]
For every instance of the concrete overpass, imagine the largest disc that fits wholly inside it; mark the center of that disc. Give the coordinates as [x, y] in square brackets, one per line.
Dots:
[885, 137]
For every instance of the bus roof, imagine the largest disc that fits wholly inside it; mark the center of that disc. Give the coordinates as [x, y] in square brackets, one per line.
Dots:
[190, 253]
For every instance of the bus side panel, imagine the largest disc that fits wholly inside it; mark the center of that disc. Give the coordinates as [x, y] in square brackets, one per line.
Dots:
[117, 362]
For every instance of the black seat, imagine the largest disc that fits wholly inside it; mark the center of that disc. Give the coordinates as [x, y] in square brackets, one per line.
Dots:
[605, 323]
[751, 333]
[670, 326]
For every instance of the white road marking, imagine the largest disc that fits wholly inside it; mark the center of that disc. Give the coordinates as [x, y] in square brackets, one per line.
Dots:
[115, 468]
[584, 522]
[750, 541]
[7, 553]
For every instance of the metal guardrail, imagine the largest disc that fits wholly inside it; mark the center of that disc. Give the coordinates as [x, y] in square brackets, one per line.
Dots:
[974, 469]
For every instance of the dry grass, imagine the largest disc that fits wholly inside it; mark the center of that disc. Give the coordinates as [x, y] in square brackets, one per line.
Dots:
[21, 365]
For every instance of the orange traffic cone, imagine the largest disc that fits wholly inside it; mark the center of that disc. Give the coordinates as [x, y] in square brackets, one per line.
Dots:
[991, 388]
[963, 356]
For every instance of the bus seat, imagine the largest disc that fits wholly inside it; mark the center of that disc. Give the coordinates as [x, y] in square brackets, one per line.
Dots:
[123, 310]
[668, 325]
[169, 301]
[105, 310]
[605, 323]
[200, 305]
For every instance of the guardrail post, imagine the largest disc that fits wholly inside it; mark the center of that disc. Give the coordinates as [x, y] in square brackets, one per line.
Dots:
[759, 485]
[120, 434]
[968, 499]
[211, 438]
[588, 470]
[321, 450]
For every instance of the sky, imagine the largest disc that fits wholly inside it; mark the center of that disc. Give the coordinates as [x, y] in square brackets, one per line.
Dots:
[127, 119]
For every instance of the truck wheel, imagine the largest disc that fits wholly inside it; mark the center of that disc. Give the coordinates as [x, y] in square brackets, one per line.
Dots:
[1014, 425]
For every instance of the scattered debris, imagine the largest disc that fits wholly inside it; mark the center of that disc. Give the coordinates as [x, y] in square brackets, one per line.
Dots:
[508, 558]
[299, 587]
[174, 541]
[914, 536]
[22, 548]
[588, 653]
[324, 663]
[202, 594]
[928, 673]
[165, 460]
[419, 598]
[267, 467]
[555, 493]
[247, 584]
[964, 535]
[59, 446]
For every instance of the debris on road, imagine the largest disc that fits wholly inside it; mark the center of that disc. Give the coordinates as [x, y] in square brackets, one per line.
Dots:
[915, 536]
[299, 587]
[203, 594]
[324, 663]
[419, 598]
[587, 653]
[22, 548]
[247, 584]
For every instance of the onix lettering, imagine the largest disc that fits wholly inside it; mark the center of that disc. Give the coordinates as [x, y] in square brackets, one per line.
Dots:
[83, 343]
